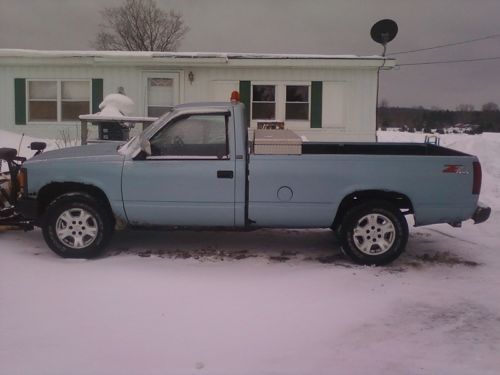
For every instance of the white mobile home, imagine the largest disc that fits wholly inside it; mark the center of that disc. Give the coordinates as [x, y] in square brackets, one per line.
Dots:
[322, 97]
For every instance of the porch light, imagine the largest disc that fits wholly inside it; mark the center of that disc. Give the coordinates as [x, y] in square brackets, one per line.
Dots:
[191, 77]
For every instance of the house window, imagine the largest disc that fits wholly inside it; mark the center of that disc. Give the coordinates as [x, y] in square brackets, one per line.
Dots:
[264, 102]
[42, 101]
[297, 103]
[75, 99]
[57, 101]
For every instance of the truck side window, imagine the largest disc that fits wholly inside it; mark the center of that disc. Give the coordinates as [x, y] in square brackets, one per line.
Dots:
[193, 136]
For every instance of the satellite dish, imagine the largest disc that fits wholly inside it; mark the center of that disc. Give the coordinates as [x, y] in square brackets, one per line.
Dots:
[384, 31]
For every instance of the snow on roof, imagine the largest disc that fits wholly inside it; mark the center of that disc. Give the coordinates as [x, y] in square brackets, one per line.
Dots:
[193, 55]
[185, 59]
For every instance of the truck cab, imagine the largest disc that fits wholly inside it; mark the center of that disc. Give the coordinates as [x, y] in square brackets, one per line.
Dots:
[192, 172]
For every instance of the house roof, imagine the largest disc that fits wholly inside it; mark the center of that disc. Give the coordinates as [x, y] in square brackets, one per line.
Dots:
[27, 57]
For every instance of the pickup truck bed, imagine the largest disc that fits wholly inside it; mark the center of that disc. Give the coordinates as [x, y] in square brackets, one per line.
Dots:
[279, 198]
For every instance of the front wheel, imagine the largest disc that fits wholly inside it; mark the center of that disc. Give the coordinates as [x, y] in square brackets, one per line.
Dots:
[374, 233]
[77, 226]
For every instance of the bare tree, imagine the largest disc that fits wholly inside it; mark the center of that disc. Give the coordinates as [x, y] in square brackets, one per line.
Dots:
[139, 25]
[490, 107]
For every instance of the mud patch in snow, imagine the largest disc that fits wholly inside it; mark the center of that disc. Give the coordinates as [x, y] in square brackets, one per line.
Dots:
[208, 254]
[276, 246]
[271, 245]
[427, 259]
[445, 258]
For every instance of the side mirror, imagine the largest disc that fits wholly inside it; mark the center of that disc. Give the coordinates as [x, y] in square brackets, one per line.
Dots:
[38, 146]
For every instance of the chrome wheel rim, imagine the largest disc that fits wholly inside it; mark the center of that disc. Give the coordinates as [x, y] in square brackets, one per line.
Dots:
[374, 234]
[76, 228]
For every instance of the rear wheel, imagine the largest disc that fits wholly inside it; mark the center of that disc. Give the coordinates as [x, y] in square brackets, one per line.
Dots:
[76, 225]
[374, 233]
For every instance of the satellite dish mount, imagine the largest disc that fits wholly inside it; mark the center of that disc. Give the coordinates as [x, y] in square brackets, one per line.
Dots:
[383, 32]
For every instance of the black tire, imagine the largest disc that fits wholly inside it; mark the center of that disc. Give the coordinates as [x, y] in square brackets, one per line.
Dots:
[87, 234]
[374, 233]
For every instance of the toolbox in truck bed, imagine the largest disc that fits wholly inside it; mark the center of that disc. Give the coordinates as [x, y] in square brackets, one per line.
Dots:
[276, 142]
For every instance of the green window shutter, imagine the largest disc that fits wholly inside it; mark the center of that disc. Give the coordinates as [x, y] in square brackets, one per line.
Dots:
[97, 94]
[245, 88]
[20, 101]
[316, 103]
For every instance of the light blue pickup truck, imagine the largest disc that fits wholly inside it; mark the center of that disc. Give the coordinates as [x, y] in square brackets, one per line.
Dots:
[195, 167]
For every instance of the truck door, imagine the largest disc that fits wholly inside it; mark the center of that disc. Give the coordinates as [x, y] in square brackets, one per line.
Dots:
[189, 177]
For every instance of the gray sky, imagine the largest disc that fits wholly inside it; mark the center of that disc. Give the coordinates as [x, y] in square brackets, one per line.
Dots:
[304, 26]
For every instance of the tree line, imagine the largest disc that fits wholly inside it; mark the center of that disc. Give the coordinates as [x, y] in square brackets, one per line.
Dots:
[419, 118]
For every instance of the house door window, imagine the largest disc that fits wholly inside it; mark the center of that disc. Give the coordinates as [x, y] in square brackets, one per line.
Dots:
[162, 93]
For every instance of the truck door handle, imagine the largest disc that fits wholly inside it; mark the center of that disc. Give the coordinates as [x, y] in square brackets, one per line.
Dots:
[224, 174]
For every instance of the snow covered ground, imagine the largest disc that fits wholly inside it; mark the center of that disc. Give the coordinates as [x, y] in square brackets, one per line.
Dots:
[265, 302]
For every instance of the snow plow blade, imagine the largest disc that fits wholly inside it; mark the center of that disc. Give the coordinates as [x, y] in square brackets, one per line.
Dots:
[9, 218]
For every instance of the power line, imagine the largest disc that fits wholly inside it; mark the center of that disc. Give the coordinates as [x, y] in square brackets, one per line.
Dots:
[446, 45]
[451, 61]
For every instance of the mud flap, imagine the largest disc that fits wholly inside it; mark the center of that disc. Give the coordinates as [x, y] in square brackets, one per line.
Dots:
[481, 214]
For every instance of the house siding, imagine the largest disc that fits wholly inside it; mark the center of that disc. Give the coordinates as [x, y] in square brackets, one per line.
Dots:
[358, 107]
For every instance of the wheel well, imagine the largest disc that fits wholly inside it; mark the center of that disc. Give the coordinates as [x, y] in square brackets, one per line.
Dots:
[399, 200]
[55, 189]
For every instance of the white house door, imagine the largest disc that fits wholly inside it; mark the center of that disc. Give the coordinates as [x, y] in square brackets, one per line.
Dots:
[161, 92]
